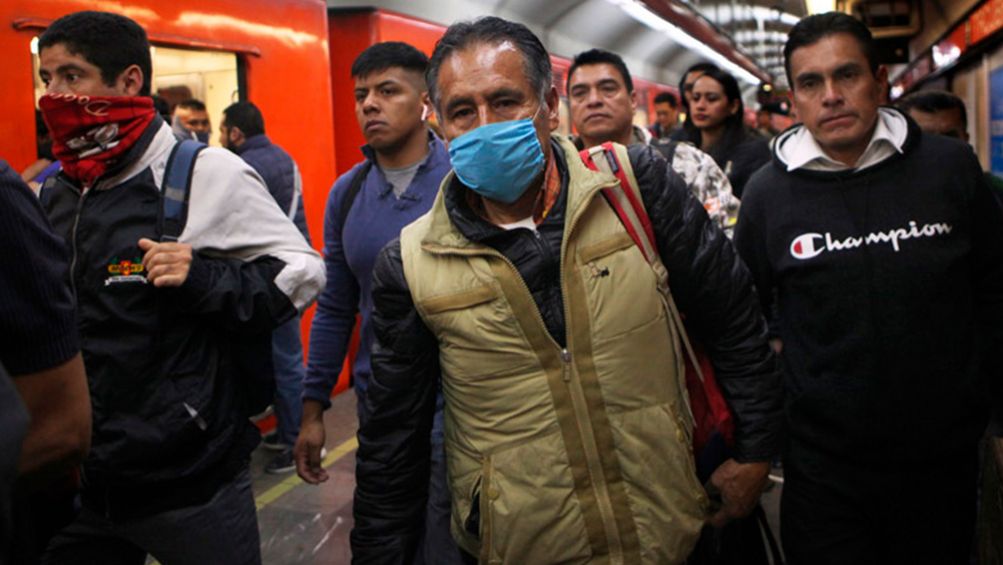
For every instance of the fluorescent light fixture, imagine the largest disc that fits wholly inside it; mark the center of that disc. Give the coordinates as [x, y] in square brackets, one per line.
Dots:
[642, 14]
[820, 6]
[758, 13]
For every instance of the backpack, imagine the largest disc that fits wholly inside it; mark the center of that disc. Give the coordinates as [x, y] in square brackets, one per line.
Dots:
[353, 190]
[251, 355]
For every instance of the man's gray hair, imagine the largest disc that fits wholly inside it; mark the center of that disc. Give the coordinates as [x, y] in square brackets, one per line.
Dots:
[492, 30]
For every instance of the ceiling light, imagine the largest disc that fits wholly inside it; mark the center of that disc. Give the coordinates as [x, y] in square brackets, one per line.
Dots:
[642, 14]
[820, 6]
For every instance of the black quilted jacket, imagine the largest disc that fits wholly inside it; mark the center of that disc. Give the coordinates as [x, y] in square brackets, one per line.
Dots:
[710, 284]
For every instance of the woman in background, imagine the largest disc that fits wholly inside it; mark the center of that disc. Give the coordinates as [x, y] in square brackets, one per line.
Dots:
[718, 113]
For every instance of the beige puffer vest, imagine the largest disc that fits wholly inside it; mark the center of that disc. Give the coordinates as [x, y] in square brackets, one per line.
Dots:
[579, 454]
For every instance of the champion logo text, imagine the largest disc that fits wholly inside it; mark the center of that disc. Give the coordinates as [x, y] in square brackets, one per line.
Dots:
[809, 245]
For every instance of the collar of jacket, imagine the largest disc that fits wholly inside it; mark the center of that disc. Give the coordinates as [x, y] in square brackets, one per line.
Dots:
[437, 156]
[912, 138]
[457, 226]
[254, 142]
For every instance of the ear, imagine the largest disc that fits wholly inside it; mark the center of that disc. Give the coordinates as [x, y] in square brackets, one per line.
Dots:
[633, 101]
[426, 106]
[235, 136]
[130, 81]
[882, 78]
[734, 107]
[553, 108]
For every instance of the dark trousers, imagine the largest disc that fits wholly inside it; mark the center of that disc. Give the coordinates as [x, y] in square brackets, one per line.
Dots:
[838, 512]
[221, 531]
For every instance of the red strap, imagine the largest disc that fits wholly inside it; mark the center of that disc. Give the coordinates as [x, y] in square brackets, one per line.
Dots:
[634, 201]
[638, 207]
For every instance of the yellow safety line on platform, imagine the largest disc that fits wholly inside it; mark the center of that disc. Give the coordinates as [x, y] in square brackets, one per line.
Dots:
[270, 495]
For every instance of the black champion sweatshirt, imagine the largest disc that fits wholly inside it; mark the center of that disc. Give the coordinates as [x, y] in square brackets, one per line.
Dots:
[889, 287]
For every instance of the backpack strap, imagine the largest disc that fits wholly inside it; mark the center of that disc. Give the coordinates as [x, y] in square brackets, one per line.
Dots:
[353, 191]
[176, 188]
[625, 198]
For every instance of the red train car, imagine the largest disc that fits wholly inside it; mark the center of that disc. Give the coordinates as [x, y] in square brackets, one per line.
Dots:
[216, 50]
[274, 54]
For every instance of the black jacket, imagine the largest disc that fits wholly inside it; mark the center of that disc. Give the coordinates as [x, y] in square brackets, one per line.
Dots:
[169, 424]
[709, 282]
[889, 282]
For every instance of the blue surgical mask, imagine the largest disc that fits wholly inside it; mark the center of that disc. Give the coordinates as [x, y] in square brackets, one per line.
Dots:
[498, 161]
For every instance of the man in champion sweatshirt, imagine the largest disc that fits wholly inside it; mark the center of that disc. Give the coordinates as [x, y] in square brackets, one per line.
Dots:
[883, 249]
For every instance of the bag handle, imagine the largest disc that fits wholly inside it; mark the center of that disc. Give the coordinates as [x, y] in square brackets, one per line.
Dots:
[625, 198]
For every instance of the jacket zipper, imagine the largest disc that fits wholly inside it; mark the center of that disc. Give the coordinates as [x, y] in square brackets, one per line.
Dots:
[73, 245]
[579, 405]
[582, 416]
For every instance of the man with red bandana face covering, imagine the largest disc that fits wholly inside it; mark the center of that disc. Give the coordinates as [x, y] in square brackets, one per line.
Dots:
[168, 472]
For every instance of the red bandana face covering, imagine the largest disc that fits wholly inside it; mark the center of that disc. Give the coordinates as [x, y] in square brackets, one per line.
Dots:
[89, 133]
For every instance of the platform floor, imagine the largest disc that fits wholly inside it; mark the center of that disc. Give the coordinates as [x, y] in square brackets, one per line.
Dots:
[303, 524]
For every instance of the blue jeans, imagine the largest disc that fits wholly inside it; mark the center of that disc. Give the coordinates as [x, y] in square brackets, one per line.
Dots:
[287, 358]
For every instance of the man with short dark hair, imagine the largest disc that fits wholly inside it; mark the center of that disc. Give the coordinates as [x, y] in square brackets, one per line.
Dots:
[883, 249]
[602, 103]
[242, 131]
[523, 294]
[175, 312]
[666, 115]
[943, 113]
[367, 207]
[764, 123]
[191, 120]
[936, 111]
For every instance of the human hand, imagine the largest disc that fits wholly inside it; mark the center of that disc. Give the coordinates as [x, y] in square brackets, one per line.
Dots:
[308, 447]
[166, 263]
[740, 485]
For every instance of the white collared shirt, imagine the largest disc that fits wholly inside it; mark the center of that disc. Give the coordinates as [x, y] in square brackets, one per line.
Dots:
[798, 149]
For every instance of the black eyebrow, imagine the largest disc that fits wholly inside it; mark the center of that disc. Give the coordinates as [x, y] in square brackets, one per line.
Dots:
[69, 67]
[504, 92]
[388, 82]
[463, 100]
[805, 76]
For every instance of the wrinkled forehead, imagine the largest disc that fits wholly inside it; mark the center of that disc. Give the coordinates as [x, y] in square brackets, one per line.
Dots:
[481, 65]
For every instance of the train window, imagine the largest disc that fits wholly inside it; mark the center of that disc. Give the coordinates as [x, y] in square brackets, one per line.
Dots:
[180, 74]
[210, 76]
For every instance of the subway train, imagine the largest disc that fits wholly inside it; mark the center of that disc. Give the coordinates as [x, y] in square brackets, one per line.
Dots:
[292, 58]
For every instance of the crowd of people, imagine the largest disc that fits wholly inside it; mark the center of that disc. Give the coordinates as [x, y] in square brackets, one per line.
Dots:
[525, 315]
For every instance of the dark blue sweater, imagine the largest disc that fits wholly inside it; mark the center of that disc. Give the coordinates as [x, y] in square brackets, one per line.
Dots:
[376, 218]
[280, 173]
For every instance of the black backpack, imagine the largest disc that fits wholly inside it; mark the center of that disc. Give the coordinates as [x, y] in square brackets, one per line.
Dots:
[251, 354]
[353, 191]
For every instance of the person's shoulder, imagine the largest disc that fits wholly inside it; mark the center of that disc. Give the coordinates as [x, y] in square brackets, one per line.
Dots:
[219, 161]
[342, 182]
[8, 176]
[13, 191]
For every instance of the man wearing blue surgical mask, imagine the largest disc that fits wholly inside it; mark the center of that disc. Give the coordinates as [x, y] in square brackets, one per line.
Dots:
[522, 293]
